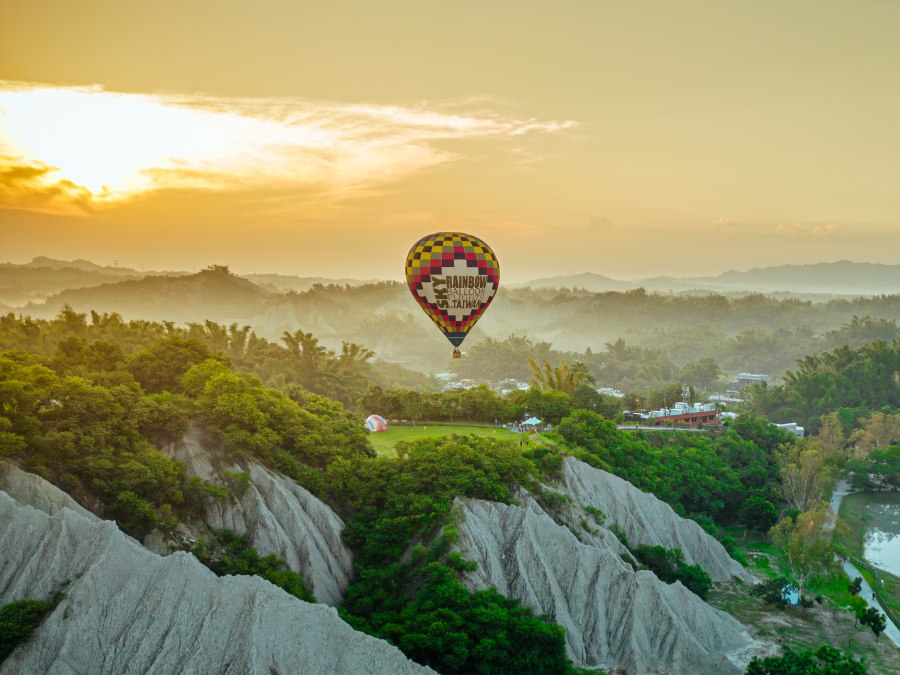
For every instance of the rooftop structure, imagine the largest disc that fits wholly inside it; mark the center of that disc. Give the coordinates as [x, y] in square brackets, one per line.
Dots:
[721, 398]
[742, 380]
[794, 428]
[746, 379]
[682, 413]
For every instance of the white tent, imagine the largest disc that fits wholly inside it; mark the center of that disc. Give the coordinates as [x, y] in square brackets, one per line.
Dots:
[532, 421]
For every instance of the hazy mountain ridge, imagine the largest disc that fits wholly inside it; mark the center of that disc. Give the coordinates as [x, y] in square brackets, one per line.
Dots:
[740, 332]
[78, 264]
[827, 278]
[284, 283]
[21, 284]
[209, 294]
[842, 277]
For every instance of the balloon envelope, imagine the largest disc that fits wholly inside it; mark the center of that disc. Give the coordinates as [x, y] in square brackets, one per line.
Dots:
[453, 276]
[376, 423]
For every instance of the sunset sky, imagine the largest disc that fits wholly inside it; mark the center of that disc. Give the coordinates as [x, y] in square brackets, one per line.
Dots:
[624, 138]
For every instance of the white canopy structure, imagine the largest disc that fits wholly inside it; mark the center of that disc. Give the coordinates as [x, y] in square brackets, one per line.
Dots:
[532, 421]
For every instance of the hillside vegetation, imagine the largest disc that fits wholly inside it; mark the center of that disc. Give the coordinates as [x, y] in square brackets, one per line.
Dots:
[88, 403]
[743, 333]
[86, 418]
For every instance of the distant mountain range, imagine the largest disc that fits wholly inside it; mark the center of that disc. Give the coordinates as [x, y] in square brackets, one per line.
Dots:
[833, 278]
[186, 298]
[382, 316]
[36, 280]
[283, 283]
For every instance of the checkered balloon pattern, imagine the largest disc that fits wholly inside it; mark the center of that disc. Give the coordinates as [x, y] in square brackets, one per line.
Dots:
[453, 276]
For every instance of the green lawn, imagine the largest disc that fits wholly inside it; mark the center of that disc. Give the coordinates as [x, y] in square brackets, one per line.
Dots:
[384, 441]
[825, 622]
[802, 628]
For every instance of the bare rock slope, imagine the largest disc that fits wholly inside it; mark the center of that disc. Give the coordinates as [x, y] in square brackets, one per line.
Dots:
[127, 610]
[35, 491]
[615, 618]
[278, 517]
[647, 520]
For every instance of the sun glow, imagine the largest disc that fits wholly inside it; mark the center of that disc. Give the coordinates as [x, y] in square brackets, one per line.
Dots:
[88, 146]
[116, 145]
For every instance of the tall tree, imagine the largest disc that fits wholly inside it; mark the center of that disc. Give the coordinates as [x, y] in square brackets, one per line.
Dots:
[874, 620]
[879, 431]
[307, 357]
[804, 473]
[807, 542]
[564, 378]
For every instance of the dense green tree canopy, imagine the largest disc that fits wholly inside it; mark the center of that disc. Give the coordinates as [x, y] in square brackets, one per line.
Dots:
[865, 377]
[826, 660]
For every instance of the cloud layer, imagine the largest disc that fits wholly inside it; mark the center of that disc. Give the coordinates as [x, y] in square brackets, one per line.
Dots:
[82, 147]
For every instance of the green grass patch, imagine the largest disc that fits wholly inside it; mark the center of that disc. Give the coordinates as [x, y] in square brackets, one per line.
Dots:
[764, 561]
[801, 628]
[385, 441]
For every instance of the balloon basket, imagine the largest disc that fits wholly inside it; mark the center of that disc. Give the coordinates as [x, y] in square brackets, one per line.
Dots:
[457, 354]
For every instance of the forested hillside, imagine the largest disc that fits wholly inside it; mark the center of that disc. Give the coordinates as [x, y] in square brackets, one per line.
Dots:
[749, 333]
[88, 403]
[850, 382]
[90, 413]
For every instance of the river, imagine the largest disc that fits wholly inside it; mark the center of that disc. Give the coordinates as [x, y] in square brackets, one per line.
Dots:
[882, 543]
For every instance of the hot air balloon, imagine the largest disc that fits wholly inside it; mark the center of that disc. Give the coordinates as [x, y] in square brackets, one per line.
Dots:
[453, 276]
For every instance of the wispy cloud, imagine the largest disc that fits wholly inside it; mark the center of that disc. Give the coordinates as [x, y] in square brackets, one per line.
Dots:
[789, 229]
[816, 230]
[82, 146]
[32, 188]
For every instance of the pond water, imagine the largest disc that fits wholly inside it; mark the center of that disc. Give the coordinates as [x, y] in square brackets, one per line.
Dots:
[882, 543]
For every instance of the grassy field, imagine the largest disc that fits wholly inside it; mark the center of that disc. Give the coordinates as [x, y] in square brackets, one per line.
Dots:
[853, 512]
[827, 621]
[384, 441]
[764, 560]
[801, 628]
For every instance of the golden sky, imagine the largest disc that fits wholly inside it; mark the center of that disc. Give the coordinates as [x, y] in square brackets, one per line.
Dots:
[627, 139]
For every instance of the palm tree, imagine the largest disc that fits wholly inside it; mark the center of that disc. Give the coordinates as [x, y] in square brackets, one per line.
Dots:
[563, 378]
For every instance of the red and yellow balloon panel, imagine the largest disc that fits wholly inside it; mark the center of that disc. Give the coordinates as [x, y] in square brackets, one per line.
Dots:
[453, 276]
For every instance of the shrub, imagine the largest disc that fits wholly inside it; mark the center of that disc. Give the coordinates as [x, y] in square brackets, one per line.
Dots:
[669, 565]
[595, 513]
[772, 591]
[825, 659]
[17, 621]
[236, 556]
[620, 534]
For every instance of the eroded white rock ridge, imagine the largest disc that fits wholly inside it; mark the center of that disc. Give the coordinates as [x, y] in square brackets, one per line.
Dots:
[127, 610]
[647, 520]
[278, 517]
[614, 618]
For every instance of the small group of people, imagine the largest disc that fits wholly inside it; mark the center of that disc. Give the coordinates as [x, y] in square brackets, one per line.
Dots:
[522, 428]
